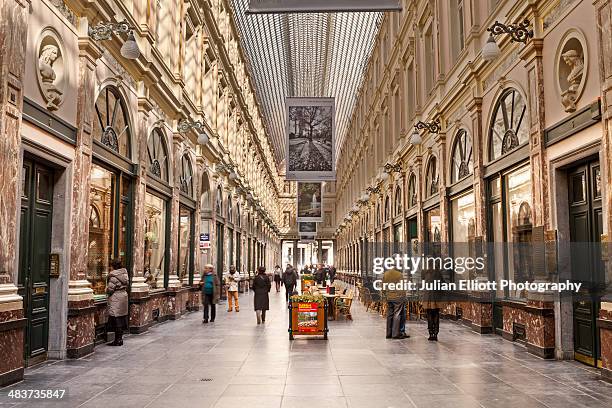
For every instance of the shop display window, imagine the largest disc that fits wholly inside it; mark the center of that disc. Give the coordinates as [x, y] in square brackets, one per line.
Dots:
[155, 240]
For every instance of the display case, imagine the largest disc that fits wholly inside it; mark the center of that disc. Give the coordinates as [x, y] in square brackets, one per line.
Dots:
[307, 316]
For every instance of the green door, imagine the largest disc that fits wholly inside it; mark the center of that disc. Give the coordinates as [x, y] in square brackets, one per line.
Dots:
[34, 250]
[586, 227]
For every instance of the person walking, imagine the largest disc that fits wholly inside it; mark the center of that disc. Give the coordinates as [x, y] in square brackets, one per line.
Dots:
[232, 281]
[117, 284]
[261, 286]
[290, 281]
[211, 292]
[432, 303]
[395, 303]
[277, 277]
[332, 274]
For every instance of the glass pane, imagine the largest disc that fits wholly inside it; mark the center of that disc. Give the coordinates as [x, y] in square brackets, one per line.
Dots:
[597, 182]
[578, 188]
[43, 186]
[123, 231]
[25, 182]
[155, 240]
[497, 233]
[519, 220]
[495, 187]
[101, 197]
[434, 226]
[125, 187]
[184, 244]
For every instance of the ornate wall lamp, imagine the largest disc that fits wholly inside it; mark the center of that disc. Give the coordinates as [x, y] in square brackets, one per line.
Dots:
[185, 126]
[432, 127]
[393, 168]
[373, 190]
[104, 31]
[519, 32]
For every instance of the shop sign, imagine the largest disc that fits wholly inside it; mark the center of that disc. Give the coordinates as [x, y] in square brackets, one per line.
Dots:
[205, 241]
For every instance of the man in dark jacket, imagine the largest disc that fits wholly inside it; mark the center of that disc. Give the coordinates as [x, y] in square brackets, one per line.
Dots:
[211, 291]
[290, 281]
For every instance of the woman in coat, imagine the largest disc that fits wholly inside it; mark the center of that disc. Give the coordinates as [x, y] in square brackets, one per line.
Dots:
[261, 286]
[117, 284]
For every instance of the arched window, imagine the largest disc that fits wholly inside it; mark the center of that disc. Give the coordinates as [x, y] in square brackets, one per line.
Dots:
[412, 191]
[398, 201]
[387, 209]
[219, 201]
[509, 127]
[186, 177]
[431, 178]
[112, 127]
[463, 163]
[157, 151]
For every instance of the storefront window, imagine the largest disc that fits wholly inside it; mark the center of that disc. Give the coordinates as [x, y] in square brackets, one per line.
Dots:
[463, 228]
[100, 228]
[108, 224]
[434, 226]
[155, 240]
[511, 228]
[519, 222]
[185, 244]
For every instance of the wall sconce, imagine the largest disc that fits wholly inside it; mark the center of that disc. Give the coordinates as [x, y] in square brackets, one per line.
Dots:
[432, 127]
[518, 32]
[393, 168]
[104, 31]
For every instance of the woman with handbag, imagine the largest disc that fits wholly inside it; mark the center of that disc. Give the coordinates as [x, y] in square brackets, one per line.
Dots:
[117, 285]
[261, 286]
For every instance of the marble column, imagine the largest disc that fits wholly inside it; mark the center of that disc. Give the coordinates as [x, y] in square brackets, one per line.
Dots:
[176, 303]
[13, 29]
[482, 306]
[140, 307]
[81, 309]
[295, 254]
[604, 43]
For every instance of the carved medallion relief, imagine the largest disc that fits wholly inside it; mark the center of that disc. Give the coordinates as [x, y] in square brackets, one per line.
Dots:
[51, 70]
[571, 69]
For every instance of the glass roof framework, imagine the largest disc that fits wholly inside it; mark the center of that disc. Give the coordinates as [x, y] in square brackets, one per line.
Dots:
[306, 55]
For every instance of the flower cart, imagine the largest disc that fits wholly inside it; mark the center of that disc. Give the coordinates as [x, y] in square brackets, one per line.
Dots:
[307, 316]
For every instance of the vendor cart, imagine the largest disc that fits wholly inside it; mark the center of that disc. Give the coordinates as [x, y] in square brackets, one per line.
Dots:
[307, 316]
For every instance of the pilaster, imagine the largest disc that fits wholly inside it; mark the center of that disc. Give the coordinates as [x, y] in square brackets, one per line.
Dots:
[13, 31]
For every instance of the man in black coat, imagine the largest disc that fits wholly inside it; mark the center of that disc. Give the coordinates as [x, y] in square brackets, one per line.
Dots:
[290, 281]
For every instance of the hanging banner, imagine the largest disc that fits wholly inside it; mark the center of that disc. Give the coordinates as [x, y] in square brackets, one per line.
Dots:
[321, 6]
[309, 202]
[310, 144]
[307, 228]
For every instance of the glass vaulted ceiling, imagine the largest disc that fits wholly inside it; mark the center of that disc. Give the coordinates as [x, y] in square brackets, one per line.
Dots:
[311, 54]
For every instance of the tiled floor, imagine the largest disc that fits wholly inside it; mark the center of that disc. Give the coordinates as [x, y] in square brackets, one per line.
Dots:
[234, 363]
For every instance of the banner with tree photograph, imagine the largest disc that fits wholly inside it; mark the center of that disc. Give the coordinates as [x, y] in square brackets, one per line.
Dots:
[310, 147]
[309, 201]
